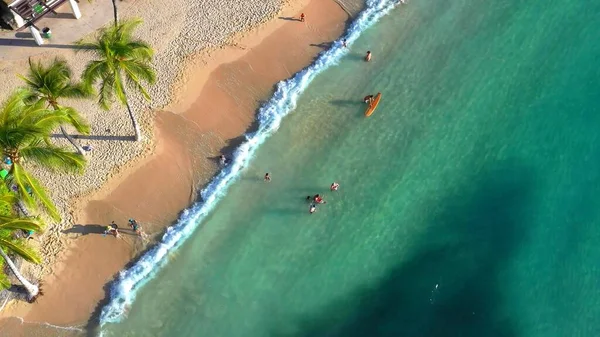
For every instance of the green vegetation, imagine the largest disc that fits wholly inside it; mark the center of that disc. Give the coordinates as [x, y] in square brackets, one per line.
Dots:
[53, 83]
[30, 115]
[121, 62]
[9, 223]
[25, 131]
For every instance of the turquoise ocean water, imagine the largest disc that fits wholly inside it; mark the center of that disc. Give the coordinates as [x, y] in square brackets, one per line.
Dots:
[468, 202]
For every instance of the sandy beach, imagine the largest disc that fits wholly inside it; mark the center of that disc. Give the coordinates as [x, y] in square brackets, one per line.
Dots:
[208, 101]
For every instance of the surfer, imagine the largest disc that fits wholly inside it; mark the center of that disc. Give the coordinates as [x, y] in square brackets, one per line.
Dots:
[368, 57]
[368, 99]
[267, 177]
[334, 186]
[312, 208]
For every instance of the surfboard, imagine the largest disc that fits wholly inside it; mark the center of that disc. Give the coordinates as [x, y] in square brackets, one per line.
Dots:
[373, 105]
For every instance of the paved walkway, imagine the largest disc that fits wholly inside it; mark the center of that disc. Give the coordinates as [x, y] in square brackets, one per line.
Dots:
[65, 29]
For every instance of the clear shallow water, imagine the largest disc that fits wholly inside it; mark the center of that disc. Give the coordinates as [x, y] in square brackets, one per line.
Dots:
[478, 173]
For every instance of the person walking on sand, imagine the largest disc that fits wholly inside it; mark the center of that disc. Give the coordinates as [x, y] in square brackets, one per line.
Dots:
[267, 177]
[135, 227]
[334, 186]
[368, 57]
[302, 17]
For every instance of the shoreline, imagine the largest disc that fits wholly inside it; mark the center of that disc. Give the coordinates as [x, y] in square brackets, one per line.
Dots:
[177, 131]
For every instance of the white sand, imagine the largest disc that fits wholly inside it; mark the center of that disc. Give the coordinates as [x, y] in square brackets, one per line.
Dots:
[178, 30]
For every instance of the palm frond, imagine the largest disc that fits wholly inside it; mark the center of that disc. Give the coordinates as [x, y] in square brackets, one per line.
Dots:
[8, 200]
[26, 184]
[107, 91]
[94, 71]
[19, 248]
[54, 158]
[14, 105]
[21, 224]
[4, 281]
[77, 91]
[76, 120]
[18, 178]
[45, 120]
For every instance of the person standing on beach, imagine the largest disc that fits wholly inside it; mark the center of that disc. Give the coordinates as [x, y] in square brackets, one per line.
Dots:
[302, 17]
[267, 177]
[368, 57]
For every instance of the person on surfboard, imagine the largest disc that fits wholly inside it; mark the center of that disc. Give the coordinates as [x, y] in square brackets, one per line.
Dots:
[368, 99]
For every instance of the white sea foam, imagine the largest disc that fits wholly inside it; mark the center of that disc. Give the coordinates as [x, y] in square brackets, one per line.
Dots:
[123, 290]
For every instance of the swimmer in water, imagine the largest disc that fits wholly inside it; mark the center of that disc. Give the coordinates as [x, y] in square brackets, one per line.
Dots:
[318, 199]
[368, 57]
[344, 44]
[312, 209]
[222, 160]
[334, 186]
[267, 177]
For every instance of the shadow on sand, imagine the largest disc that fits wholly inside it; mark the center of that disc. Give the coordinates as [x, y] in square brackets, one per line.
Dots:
[471, 237]
[289, 18]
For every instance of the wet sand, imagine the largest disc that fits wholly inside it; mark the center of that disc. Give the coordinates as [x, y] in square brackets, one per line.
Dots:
[215, 108]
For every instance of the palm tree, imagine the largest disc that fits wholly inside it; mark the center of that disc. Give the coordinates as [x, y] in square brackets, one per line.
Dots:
[24, 136]
[49, 84]
[121, 62]
[8, 243]
[115, 14]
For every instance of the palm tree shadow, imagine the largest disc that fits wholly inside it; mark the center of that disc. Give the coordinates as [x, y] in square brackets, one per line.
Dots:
[471, 238]
[97, 137]
[289, 18]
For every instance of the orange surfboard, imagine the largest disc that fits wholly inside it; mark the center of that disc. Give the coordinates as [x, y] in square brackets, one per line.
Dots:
[373, 105]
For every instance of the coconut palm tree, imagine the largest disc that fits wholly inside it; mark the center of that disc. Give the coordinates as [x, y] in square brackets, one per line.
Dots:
[24, 136]
[121, 62]
[53, 83]
[9, 223]
[115, 14]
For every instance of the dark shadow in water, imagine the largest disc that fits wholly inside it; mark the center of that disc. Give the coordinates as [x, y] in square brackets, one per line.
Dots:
[347, 102]
[471, 236]
[356, 57]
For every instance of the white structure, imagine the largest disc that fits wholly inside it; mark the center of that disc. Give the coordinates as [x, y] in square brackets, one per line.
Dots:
[34, 31]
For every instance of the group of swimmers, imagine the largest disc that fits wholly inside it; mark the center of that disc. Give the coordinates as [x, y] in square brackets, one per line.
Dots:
[318, 199]
[314, 200]
[367, 57]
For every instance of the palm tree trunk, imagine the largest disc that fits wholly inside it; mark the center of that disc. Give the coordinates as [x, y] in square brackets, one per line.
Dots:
[136, 126]
[23, 209]
[115, 12]
[79, 149]
[32, 289]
